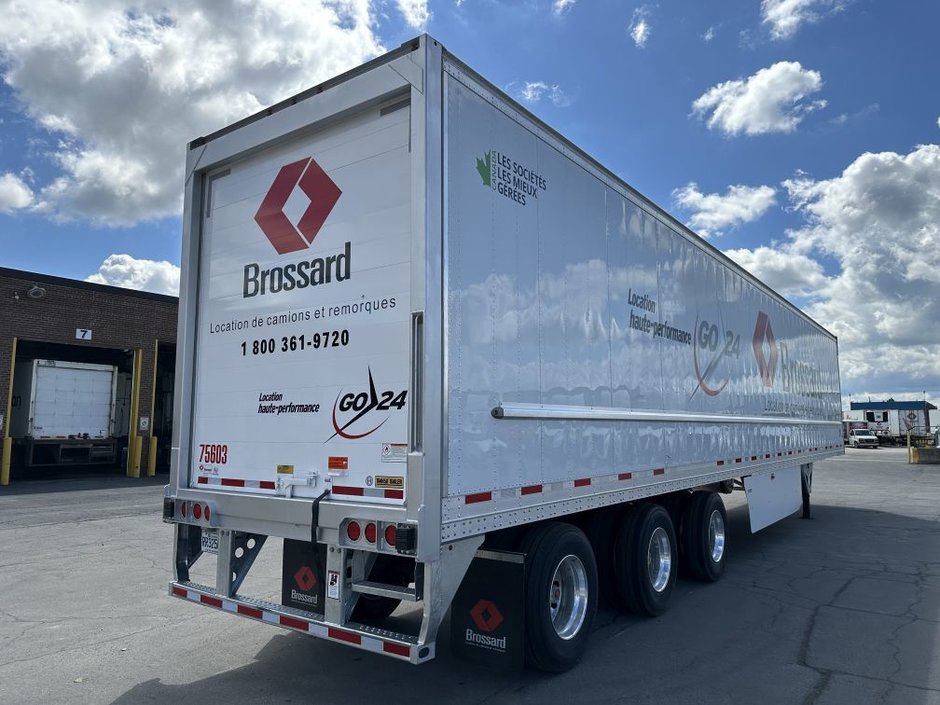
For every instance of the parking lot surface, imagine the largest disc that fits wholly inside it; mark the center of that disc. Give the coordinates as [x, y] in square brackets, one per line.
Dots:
[842, 608]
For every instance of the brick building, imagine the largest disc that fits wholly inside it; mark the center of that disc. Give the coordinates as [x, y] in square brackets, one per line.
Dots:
[44, 317]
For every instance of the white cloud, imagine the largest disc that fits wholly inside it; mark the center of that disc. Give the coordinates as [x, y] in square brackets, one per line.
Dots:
[784, 17]
[772, 100]
[712, 212]
[415, 12]
[879, 224]
[15, 194]
[561, 6]
[140, 274]
[787, 272]
[534, 91]
[709, 34]
[640, 27]
[123, 87]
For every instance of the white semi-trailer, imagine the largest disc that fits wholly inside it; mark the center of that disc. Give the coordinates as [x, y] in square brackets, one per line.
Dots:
[65, 412]
[451, 360]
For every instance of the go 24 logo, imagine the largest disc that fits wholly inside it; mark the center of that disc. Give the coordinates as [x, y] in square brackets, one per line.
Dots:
[357, 410]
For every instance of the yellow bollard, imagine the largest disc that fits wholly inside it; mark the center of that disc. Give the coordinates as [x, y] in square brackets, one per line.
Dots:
[5, 461]
[138, 448]
[152, 457]
[133, 440]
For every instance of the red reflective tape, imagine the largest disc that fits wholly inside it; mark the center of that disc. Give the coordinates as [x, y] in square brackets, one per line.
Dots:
[250, 611]
[531, 489]
[203, 480]
[583, 482]
[267, 485]
[721, 462]
[232, 482]
[180, 592]
[356, 491]
[394, 494]
[625, 476]
[293, 623]
[659, 471]
[344, 636]
[397, 649]
[478, 497]
[214, 601]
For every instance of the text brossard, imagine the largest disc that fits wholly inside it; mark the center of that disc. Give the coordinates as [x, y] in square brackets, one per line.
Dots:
[297, 275]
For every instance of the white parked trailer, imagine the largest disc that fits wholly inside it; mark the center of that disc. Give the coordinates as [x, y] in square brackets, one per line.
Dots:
[64, 412]
[423, 335]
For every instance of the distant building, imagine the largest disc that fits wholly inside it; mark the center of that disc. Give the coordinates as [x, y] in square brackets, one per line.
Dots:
[895, 418]
[46, 318]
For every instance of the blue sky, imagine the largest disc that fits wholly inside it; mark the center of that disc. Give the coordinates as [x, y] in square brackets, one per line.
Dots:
[799, 136]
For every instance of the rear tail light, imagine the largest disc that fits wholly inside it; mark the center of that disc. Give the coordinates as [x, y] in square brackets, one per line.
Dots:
[390, 535]
[370, 532]
[197, 511]
[353, 530]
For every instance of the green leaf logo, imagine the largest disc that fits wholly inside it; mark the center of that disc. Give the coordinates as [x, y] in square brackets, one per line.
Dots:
[483, 167]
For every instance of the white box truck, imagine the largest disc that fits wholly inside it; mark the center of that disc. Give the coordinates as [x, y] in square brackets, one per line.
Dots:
[63, 412]
[451, 360]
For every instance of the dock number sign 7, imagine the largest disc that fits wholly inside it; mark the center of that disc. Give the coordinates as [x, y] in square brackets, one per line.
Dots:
[83, 334]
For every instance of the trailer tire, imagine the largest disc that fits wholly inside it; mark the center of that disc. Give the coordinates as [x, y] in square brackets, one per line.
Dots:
[645, 559]
[560, 596]
[705, 536]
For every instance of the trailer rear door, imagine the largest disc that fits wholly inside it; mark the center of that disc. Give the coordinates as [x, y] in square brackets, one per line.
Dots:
[303, 317]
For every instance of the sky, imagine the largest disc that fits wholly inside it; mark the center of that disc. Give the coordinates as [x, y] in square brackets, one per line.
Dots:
[800, 137]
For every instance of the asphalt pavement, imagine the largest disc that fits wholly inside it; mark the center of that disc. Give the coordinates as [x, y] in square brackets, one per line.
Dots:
[842, 608]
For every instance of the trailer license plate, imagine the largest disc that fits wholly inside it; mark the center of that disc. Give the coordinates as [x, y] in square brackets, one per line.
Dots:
[210, 541]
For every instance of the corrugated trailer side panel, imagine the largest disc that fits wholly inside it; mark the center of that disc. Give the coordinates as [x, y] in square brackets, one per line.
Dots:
[620, 347]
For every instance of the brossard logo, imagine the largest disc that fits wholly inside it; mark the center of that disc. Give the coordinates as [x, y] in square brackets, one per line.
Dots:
[487, 618]
[306, 580]
[286, 237]
[766, 365]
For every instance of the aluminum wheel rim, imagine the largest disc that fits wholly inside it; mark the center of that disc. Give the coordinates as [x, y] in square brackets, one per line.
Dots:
[716, 536]
[568, 597]
[659, 559]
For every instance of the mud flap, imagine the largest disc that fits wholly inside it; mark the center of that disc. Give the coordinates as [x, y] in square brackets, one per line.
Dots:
[487, 622]
[302, 586]
[773, 496]
[806, 480]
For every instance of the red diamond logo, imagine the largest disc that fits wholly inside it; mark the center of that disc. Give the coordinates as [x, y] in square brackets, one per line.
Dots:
[767, 366]
[318, 187]
[486, 616]
[305, 578]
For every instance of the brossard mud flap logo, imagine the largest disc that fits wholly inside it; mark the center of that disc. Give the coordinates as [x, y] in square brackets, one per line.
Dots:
[487, 618]
[358, 414]
[317, 186]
